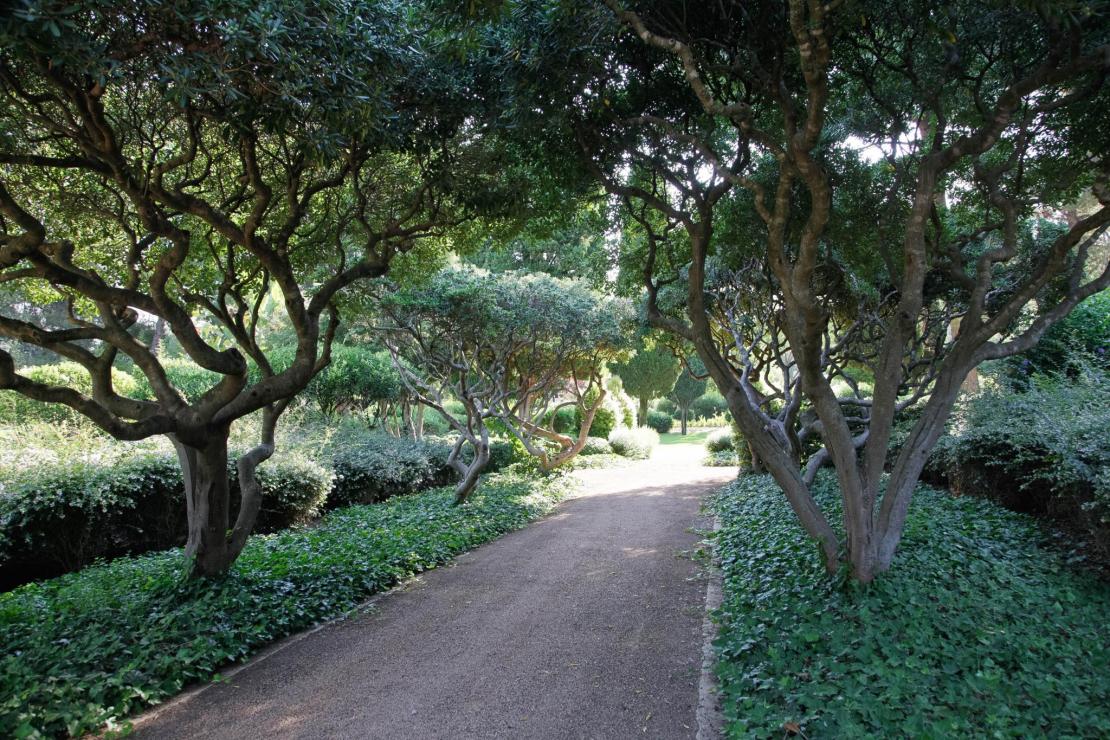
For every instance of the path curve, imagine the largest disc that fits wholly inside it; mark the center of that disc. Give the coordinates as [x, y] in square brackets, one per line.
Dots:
[586, 624]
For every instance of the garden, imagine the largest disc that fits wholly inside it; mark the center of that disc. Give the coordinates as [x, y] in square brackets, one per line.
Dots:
[300, 303]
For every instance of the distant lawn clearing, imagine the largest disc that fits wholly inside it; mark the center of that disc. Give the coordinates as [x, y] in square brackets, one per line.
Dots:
[693, 438]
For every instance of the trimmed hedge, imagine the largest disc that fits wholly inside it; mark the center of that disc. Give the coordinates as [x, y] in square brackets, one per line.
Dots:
[635, 443]
[93, 647]
[388, 466]
[659, 421]
[974, 632]
[61, 518]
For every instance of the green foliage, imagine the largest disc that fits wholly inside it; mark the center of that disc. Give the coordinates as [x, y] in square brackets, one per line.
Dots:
[974, 632]
[98, 645]
[721, 459]
[16, 408]
[597, 446]
[61, 517]
[190, 379]
[635, 443]
[687, 388]
[649, 373]
[1082, 336]
[708, 406]
[720, 440]
[356, 377]
[605, 418]
[1042, 450]
[564, 419]
[659, 421]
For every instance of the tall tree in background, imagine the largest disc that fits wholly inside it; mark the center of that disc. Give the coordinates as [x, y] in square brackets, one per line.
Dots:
[648, 374]
[687, 389]
[182, 160]
[735, 130]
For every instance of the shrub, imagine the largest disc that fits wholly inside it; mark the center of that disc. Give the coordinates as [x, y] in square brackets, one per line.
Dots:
[720, 440]
[565, 420]
[659, 421]
[381, 466]
[15, 408]
[666, 406]
[192, 380]
[355, 378]
[974, 632]
[96, 646]
[63, 516]
[635, 443]
[1043, 451]
[597, 446]
[721, 459]
[708, 406]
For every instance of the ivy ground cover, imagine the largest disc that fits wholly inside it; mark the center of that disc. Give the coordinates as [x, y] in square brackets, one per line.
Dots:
[975, 632]
[85, 650]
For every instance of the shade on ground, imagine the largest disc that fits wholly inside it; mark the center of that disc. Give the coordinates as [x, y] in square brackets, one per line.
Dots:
[586, 624]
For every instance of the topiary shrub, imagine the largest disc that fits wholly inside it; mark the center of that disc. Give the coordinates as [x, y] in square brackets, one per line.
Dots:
[635, 443]
[666, 406]
[659, 421]
[720, 440]
[597, 446]
[384, 466]
[15, 408]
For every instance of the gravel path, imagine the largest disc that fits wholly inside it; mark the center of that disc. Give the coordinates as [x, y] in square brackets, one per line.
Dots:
[586, 624]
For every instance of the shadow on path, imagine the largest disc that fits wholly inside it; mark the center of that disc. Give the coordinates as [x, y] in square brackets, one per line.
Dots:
[586, 624]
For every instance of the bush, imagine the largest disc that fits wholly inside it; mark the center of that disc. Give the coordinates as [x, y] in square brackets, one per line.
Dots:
[15, 408]
[605, 418]
[96, 646]
[635, 443]
[355, 378]
[597, 446]
[659, 421]
[721, 459]
[1043, 451]
[974, 632]
[708, 406]
[192, 380]
[565, 420]
[381, 466]
[720, 440]
[666, 406]
[1082, 336]
[61, 517]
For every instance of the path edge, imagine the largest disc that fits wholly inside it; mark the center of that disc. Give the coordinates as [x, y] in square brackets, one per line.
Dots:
[710, 721]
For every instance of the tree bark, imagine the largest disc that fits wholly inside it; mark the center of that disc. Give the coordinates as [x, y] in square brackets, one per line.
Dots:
[684, 412]
[204, 471]
[641, 417]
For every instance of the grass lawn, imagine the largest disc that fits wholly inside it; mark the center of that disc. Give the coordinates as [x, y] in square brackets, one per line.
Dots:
[976, 631]
[85, 650]
[693, 438]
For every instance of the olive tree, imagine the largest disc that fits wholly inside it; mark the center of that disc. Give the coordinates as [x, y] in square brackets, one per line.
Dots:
[758, 129]
[180, 162]
[510, 347]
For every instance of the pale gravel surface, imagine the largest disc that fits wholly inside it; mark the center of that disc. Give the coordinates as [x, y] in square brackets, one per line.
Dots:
[586, 624]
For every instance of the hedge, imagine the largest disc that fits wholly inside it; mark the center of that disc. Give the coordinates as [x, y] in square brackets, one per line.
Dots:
[60, 517]
[93, 647]
[974, 632]
[659, 421]
[635, 443]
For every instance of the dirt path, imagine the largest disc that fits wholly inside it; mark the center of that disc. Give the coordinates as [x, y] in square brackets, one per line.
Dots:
[586, 624]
